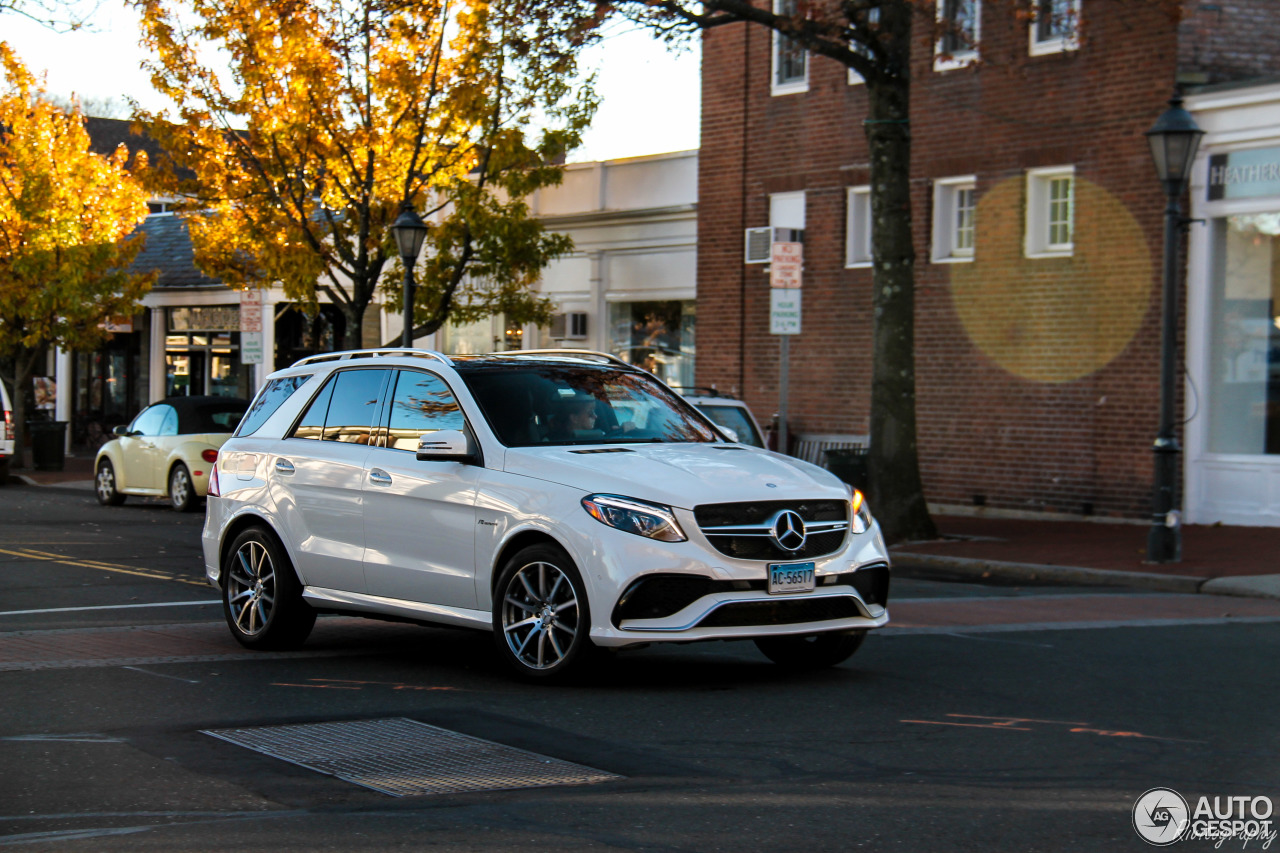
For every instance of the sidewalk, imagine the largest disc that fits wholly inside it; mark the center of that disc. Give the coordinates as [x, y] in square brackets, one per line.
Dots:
[1215, 559]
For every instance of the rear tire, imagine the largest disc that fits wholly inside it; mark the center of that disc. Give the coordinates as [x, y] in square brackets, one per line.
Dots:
[811, 651]
[261, 594]
[105, 485]
[541, 617]
[182, 492]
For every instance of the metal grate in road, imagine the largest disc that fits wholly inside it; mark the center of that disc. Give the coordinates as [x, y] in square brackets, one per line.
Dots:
[403, 757]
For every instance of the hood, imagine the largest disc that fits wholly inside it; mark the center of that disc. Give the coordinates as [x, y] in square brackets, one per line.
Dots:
[679, 475]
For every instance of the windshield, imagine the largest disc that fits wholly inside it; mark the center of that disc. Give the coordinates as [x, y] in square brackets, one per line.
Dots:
[531, 406]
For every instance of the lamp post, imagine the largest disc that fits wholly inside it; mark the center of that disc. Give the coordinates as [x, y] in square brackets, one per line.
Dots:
[1174, 139]
[409, 230]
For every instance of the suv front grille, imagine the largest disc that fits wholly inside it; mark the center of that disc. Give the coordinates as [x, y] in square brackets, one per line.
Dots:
[741, 530]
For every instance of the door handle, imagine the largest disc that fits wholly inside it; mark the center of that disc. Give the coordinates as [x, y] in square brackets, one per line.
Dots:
[380, 477]
[284, 466]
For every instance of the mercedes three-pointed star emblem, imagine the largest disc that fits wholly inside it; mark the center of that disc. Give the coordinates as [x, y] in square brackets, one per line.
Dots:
[788, 530]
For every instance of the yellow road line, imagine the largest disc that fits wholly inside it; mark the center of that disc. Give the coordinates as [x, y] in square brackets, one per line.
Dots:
[151, 574]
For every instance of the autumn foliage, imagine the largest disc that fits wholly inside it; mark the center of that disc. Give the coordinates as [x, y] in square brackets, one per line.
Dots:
[66, 216]
[304, 125]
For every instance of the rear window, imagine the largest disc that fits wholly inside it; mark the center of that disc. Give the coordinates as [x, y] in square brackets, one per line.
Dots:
[269, 399]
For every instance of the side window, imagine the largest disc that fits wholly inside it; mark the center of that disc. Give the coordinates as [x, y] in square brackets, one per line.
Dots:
[169, 426]
[790, 60]
[269, 399]
[311, 424]
[149, 421]
[954, 223]
[961, 24]
[422, 403]
[1050, 212]
[857, 241]
[354, 406]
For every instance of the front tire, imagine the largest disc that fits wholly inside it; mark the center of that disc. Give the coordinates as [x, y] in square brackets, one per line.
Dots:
[182, 492]
[261, 594]
[811, 651]
[105, 485]
[541, 618]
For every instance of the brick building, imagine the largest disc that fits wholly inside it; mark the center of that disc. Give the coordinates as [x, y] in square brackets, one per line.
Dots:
[1038, 229]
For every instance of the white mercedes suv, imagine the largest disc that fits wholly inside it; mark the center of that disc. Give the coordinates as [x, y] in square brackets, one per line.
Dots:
[564, 500]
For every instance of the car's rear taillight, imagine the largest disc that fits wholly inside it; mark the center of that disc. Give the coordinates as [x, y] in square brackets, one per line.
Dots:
[209, 455]
[8, 425]
[213, 479]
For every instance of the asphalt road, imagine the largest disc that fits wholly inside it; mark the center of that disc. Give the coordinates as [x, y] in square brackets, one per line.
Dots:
[985, 718]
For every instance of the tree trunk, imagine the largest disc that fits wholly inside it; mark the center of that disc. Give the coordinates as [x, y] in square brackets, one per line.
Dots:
[24, 364]
[897, 494]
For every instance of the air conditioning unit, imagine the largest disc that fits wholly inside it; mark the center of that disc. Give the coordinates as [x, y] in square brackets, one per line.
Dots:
[760, 239]
[569, 327]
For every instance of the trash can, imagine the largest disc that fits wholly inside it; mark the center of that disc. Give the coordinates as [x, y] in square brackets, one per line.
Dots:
[48, 444]
[850, 465]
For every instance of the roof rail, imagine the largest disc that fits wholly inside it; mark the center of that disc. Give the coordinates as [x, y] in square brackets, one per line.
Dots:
[375, 353]
[605, 357]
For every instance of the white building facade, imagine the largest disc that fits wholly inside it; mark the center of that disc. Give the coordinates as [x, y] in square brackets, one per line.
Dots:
[1232, 454]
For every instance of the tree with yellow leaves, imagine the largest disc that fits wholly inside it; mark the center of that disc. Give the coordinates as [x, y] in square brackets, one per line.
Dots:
[66, 215]
[306, 125]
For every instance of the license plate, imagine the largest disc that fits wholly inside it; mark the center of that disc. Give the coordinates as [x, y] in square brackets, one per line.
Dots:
[790, 577]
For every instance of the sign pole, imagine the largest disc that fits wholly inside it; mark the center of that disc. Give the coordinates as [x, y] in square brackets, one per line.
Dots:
[786, 267]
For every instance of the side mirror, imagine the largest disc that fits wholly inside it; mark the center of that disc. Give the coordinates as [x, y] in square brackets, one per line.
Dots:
[730, 434]
[446, 445]
[122, 431]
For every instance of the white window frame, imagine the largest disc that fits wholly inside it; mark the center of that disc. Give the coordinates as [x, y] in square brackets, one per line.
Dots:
[854, 78]
[1058, 44]
[963, 58]
[791, 87]
[786, 210]
[1038, 243]
[946, 247]
[857, 228]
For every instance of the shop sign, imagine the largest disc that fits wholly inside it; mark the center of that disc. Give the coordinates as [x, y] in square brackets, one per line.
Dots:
[1244, 174]
[205, 318]
[119, 325]
[784, 311]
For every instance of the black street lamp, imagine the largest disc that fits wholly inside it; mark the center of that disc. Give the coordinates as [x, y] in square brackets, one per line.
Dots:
[1174, 139]
[410, 231]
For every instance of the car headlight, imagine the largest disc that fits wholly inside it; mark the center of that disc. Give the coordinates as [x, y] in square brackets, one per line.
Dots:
[861, 512]
[628, 514]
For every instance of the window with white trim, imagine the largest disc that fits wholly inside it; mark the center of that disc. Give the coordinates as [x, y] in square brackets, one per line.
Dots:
[873, 19]
[955, 206]
[790, 71]
[1055, 26]
[786, 210]
[960, 23]
[1050, 212]
[857, 240]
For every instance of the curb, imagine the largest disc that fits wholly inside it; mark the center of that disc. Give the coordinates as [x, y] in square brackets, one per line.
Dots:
[1072, 575]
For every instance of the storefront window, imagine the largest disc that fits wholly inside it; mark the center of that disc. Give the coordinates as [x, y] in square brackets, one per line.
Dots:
[1244, 393]
[658, 336]
[109, 385]
[202, 353]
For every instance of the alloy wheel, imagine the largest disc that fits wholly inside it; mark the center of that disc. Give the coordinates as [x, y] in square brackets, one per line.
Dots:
[540, 615]
[251, 588]
[106, 483]
[180, 496]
